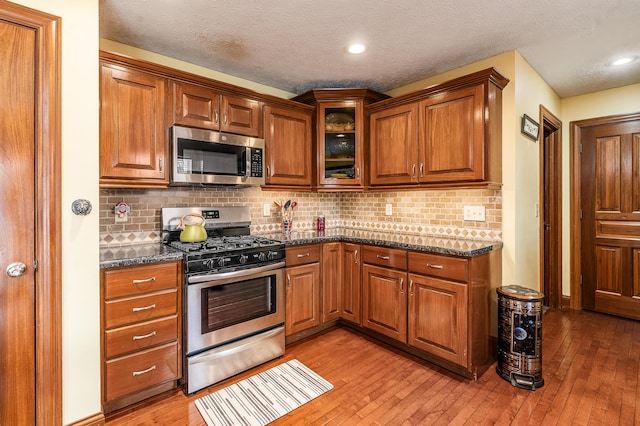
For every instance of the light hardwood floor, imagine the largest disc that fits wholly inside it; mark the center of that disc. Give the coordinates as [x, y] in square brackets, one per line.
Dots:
[590, 368]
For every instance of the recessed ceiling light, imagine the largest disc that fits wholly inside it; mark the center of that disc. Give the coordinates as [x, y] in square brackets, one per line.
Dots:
[356, 48]
[622, 61]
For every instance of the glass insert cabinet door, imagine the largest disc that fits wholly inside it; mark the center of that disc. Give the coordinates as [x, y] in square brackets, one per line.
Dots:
[340, 138]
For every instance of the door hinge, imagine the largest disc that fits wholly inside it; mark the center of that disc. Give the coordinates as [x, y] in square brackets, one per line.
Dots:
[580, 280]
[35, 265]
[580, 148]
[580, 214]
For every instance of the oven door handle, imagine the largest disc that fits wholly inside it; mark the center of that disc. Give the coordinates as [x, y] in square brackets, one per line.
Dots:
[234, 274]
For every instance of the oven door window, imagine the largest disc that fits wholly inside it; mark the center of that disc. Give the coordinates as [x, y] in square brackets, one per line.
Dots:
[210, 158]
[237, 302]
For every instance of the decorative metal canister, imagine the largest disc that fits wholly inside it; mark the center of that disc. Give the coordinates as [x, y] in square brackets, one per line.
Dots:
[520, 336]
[320, 223]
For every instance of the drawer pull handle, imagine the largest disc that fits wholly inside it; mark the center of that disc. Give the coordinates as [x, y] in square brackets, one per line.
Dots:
[382, 257]
[146, 280]
[145, 336]
[148, 370]
[304, 255]
[144, 308]
[432, 266]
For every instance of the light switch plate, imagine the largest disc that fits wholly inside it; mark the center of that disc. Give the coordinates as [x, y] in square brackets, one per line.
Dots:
[388, 209]
[475, 213]
[266, 210]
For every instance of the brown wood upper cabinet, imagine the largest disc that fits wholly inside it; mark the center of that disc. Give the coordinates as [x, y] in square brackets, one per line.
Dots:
[446, 135]
[204, 107]
[288, 147]
[341, 133]
[133, 128]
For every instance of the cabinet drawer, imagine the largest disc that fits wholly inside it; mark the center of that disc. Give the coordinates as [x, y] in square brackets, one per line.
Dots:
[301, 255]
[143, 308]
[140, 279]
[140, 336]
[141, 370]
[452, 268]
[383, 256]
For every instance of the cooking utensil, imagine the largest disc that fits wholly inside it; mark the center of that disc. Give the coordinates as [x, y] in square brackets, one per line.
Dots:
[192, 232]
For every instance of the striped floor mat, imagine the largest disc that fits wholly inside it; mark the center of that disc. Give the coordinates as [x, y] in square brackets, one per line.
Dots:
[263, 398]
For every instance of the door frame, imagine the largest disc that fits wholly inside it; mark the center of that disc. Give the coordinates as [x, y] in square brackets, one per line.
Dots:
[554, 125]
[575, 196]
[48, 255]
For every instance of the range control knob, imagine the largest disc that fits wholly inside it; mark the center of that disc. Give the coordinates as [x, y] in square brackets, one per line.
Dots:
[272, 255]
[243, 259]
[262, 257]
[210, 263]
[223, 261]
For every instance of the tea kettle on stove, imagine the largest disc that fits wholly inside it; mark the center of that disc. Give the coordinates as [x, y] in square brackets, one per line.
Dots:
[192, 232]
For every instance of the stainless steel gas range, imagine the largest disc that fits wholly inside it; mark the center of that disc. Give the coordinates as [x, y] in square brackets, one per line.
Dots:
[233, 295]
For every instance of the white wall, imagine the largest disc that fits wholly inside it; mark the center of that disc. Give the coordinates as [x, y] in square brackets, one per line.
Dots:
[531, 92]
[80, 257]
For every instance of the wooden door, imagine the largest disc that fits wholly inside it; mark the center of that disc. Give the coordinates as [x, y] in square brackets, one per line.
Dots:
[134, 135]
[30, 317]
[331, 281]
[438, 318]
[610, 226]
[452, 141]
[394, 145]
[242, 116]
[351, 299]
[302, 298]
[287, 147]
[384, 307]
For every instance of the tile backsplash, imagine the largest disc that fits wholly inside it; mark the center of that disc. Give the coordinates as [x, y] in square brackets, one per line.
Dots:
[436, 213]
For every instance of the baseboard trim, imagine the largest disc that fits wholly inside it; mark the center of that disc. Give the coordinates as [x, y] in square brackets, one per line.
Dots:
[93, 420]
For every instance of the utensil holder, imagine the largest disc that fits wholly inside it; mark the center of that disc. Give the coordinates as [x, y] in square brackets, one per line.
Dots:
[287, 226]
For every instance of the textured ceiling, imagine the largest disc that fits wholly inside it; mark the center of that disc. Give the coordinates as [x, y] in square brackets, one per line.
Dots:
[296, 45]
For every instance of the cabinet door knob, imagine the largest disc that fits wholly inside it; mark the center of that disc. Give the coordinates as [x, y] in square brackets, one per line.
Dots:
[216, 117]
[411, 287]
[382, 257]
[401, 285]
[413, 170]
[355, 257]
[288, 280]
[304, 255]
[144, 336]
[421, 169]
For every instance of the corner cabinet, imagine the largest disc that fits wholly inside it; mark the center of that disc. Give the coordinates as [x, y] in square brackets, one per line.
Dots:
[204, 107]
[133, 127]
[141, 340]
[341, 135]
[446, 135]
[288, 147]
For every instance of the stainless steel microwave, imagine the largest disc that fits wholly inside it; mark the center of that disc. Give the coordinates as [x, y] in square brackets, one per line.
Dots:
[210, 157]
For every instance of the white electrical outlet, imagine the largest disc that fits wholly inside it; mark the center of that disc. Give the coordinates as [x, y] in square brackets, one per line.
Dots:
[388, 209]
[122, 217]
[475, 213]
[266, 210]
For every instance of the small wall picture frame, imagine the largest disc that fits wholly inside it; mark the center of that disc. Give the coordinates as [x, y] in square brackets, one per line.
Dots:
[530, 127]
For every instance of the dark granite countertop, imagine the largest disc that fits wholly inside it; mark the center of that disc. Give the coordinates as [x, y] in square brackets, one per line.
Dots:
[448, 246]
[138, 254]
[152, 253]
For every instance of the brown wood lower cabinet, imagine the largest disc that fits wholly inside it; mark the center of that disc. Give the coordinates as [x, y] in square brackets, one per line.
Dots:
[302, 309]
[141, 323]
[351, 285]
[432, 305]
[438, 318]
